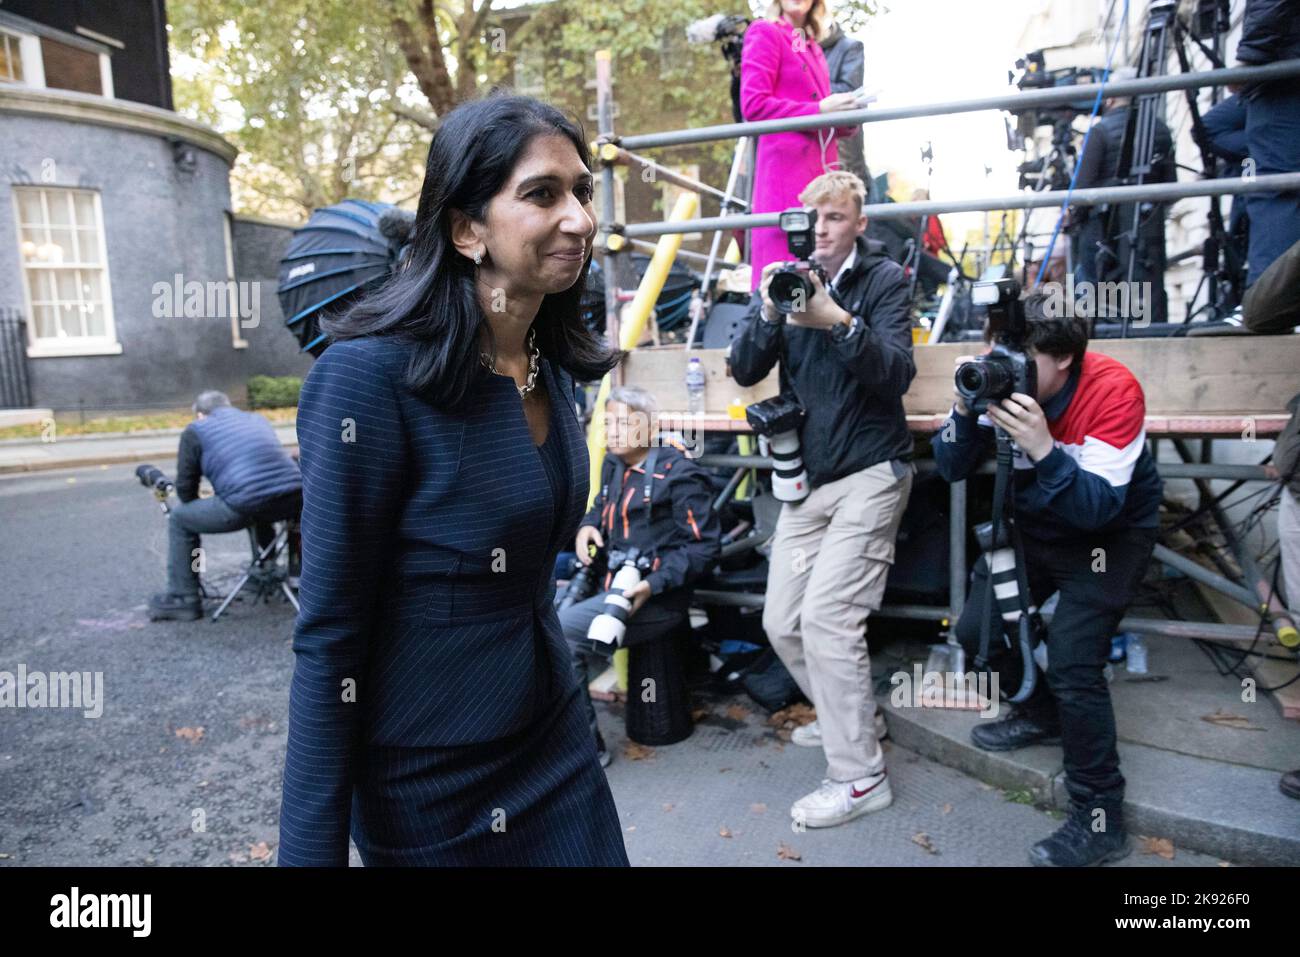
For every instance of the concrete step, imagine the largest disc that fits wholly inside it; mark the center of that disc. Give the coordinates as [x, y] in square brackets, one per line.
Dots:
[1227, 810]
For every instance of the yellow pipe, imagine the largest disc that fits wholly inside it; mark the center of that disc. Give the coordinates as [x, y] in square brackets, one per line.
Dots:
[633, 325]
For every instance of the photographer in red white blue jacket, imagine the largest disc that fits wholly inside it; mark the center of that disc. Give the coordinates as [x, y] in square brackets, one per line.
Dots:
[1087, 500]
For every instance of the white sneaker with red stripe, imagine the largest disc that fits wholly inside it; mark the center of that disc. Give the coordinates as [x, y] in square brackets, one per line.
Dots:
[810, 735]
[836, 802]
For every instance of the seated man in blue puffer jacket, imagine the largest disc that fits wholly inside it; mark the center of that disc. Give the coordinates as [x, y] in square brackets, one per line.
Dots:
[255, 483]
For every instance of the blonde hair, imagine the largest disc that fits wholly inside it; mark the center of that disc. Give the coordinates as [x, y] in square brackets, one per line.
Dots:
[835, 185]
[816, 23]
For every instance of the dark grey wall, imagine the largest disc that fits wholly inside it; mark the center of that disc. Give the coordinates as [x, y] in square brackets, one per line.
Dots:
[159, 220]
[273, 349]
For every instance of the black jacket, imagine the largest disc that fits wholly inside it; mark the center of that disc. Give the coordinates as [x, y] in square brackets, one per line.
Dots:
[242, 457]
[850, 385]
[1270, 31]
[683, 532]
[1286, 451]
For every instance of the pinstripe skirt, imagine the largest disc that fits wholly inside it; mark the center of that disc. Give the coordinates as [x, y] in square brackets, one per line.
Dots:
[538, 798]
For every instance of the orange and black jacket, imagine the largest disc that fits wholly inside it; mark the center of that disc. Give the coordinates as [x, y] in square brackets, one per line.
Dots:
[683, 532]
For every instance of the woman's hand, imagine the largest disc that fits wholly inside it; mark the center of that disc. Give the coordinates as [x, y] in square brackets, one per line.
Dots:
[588, 535]
[638, 594]
[838, 102]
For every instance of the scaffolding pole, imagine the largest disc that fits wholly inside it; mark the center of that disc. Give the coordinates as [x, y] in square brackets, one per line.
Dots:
[1151, 192]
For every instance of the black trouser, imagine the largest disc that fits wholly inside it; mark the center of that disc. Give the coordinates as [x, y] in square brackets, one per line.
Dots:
[1075, 695]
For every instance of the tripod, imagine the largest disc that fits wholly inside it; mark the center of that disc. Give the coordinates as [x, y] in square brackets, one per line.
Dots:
[1221, 276]
[263, 571]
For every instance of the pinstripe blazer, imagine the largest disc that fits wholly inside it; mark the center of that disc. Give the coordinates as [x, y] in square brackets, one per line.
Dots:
[429, 541]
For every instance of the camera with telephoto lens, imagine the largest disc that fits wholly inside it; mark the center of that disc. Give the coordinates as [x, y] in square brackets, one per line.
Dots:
[776, 421]
[584, 582]
[610, 625]
[790, 288]
[1007, 367]
[152, 477]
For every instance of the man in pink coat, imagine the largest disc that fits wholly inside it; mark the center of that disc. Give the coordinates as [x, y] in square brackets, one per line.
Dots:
[783, 73]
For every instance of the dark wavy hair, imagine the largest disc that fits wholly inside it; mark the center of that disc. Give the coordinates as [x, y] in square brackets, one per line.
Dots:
[431, 300]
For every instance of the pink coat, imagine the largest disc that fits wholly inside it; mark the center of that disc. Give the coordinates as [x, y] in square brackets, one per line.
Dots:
[782, 74]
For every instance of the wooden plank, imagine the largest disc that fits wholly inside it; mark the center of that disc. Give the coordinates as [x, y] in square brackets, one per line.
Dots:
[1230, 376]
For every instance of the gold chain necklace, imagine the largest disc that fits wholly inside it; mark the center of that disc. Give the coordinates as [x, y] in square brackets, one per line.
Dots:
[534, 354]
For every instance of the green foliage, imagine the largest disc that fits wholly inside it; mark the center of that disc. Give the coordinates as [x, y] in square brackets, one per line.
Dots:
[302, 87]
[273, 392]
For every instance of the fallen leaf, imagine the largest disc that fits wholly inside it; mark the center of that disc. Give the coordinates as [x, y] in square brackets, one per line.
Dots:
[787, 853]
[637, 752]
[259, 852]
[1226, 719]
[192, 735]
[923, 840]
[699, 714]
[723, 832]
[793, 716]
[1160, 846]
[758, 808]
[947, 809]
[723, 770]
[737, 712]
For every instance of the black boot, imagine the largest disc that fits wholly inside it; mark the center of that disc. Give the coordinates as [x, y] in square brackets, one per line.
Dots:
[1290, 784]
[1086, 838]
[1014, 732]
[165, 606]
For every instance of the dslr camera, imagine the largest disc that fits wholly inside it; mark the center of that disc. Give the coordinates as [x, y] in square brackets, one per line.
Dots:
[790, 289]
[154, 479]
[610, 625]
[1006, 368]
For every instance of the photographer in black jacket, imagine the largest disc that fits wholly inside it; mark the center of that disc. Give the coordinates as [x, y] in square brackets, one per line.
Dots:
[679, 534]
[255, 483]
[847, 358]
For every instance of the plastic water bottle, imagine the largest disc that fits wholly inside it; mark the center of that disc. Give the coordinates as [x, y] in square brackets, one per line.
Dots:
[695, 386]
[1137, 655]
[1118, 647]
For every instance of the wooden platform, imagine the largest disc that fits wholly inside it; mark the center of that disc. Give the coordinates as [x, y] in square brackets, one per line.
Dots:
[1229, 386]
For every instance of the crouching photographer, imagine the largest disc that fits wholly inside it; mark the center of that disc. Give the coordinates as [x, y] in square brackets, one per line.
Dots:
[254, 481]
[655, 531]
[845, 352]
[1080, 512]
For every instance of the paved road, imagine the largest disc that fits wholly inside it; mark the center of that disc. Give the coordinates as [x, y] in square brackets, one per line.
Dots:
[183, 766]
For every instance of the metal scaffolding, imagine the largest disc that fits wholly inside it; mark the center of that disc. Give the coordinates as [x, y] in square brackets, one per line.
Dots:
[614, 149]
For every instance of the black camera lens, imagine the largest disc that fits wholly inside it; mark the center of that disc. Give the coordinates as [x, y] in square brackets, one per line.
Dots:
[971, 379]
[790, 290]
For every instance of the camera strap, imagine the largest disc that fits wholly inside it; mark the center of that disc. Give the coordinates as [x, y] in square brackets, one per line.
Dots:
[615, 488]
[651, 458]
[1028, 624]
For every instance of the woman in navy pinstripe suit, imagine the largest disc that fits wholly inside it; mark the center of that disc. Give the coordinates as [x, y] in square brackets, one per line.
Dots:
[434, 715]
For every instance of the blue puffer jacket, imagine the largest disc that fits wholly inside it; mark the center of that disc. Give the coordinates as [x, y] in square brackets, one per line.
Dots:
[242, 457]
